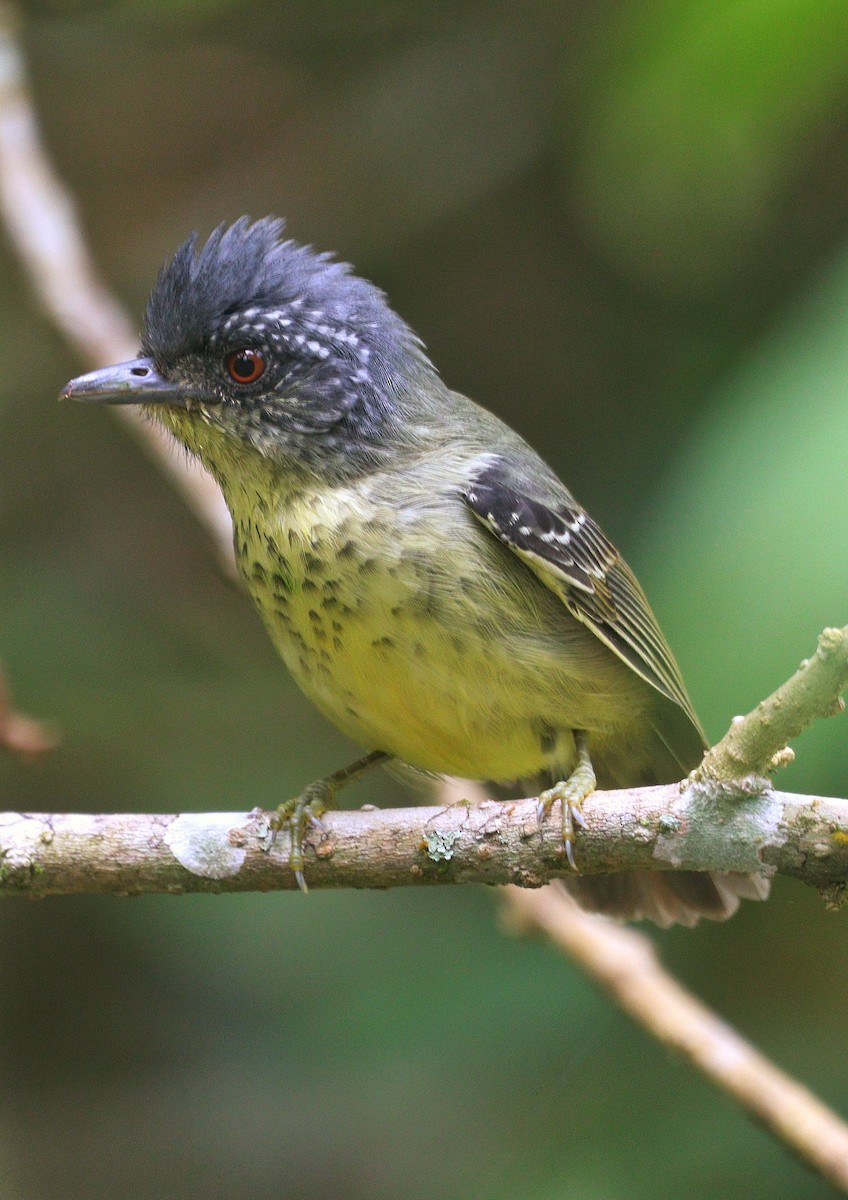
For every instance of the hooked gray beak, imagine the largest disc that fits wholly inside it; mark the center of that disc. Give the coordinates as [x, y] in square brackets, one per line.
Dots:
[134, 382]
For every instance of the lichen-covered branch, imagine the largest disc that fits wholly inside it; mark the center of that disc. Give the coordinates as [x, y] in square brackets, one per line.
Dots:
[625, 964]
[490, 842]
[38, 214]
[755, 744]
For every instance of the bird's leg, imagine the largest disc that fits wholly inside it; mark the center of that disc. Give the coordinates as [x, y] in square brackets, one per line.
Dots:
[571, 793]
[313, 801]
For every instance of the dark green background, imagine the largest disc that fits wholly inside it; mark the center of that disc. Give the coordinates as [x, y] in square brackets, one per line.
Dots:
[623, 226]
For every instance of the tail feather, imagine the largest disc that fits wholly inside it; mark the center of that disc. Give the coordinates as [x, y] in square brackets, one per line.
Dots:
[664, 753]
[666, 897]
[673, 748]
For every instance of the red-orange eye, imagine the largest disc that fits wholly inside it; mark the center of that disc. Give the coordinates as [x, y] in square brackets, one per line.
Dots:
[245, 366]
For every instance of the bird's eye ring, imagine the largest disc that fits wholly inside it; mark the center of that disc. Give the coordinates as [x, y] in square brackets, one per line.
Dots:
[245, 366]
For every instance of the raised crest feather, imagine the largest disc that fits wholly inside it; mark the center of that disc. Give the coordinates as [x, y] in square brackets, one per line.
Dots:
[250, 264]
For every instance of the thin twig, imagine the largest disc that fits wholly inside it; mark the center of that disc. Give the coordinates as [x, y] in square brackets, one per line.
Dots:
[43, 228]
[755, 744]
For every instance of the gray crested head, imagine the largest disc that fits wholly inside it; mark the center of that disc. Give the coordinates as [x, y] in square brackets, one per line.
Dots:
[338, 366]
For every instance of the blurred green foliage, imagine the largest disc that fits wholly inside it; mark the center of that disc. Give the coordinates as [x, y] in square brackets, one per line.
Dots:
[754, 521]
[622, 226]
[698, 116]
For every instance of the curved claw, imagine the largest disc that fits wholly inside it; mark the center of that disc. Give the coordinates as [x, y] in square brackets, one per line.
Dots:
[297, 814]
[571, 793]
[307, 808]
[571, 799]
[569, 854]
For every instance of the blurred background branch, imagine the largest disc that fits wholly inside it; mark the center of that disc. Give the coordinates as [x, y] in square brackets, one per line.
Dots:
[40, 219]
[625, 964]
[22, 735]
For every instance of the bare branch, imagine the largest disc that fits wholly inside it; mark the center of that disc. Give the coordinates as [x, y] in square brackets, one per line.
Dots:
[43, 228]
[490, 842]
[756, 744]
[625, 964]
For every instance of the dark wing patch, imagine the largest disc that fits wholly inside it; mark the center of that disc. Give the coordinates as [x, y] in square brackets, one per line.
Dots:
[572, 556]
[565, 538]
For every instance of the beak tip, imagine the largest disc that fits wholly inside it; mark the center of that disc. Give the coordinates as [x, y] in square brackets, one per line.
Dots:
[134, 382]
[71, 392]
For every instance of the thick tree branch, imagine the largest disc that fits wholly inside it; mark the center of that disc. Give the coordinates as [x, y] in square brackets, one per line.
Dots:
[709, 823]
[490, 842]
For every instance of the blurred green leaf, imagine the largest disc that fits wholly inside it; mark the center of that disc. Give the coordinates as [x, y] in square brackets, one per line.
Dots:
[694, 119]
[748, 539]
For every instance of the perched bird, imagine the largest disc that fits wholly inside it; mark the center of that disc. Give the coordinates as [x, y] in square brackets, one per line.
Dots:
[429, 582]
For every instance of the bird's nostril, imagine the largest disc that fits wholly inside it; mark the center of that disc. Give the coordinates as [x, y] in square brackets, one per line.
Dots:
[140, 371]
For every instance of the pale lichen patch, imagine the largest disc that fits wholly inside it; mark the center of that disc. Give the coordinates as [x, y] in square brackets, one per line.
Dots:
[728, 832]
[203, 844]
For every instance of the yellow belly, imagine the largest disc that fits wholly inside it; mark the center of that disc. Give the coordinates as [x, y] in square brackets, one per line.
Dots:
[400, 651]
[414, 693]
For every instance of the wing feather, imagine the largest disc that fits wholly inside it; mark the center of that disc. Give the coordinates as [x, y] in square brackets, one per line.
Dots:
[572, 556]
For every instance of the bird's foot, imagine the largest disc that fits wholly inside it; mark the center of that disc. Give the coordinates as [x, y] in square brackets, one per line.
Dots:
[308, 808]
[298, 814]
[571, 793]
